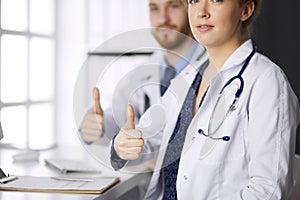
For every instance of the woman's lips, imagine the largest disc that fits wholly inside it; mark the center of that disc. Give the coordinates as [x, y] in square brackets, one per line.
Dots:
[204, 27]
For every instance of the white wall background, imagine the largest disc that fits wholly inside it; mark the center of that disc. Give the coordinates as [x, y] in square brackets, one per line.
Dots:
[82, 25]
[71, 53]
[109, 18]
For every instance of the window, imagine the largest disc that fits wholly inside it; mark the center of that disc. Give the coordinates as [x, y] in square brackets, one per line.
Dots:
[27, 69]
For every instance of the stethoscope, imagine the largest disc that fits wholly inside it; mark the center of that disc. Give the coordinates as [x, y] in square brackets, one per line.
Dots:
[233, 104]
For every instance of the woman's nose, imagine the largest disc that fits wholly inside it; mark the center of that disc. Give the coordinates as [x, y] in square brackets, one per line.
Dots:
[202, 9]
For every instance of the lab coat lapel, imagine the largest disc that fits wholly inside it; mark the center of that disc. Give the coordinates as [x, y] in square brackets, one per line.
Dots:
[174, 98]
[172, 101]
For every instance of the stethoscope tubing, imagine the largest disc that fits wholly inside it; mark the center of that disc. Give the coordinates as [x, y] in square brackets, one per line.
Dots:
[237, 96]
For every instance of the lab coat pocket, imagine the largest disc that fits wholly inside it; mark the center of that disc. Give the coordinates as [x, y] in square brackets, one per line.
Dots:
[219, 151]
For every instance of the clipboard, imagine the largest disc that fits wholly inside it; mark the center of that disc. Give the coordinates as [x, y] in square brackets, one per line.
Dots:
[60, 184]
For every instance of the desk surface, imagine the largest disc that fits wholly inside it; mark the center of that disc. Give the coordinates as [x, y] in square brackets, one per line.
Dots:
[127, 182]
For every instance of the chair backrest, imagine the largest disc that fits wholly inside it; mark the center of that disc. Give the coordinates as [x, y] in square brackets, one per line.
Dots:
[296, 189]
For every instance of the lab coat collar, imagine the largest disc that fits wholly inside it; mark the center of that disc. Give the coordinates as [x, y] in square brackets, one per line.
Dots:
[198, 53]
[239, 55]
[200, 63]
[197, 64]
[181, 63]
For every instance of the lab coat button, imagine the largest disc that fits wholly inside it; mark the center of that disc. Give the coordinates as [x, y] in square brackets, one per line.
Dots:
[185, 177]
[193, 138]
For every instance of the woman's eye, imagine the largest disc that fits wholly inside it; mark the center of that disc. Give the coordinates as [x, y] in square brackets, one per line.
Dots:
[193, 1]
[217, 1]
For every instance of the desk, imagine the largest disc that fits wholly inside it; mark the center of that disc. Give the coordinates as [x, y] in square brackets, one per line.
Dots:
[128, 181]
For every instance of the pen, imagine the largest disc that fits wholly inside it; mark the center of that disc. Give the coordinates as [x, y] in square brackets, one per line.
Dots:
[72, 179]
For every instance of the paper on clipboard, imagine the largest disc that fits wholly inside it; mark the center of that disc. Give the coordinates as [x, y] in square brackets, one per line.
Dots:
[48, 184]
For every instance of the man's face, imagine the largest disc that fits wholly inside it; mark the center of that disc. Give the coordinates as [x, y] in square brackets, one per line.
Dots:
[168, 17]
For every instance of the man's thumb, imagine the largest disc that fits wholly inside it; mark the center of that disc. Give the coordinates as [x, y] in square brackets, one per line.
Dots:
[97, 107]
[130, 117]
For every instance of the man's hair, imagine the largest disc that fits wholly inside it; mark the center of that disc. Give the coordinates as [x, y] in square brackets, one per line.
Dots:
[184, 2]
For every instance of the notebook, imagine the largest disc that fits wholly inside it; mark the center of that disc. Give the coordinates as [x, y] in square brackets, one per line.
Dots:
[66, 166]
[59, 185]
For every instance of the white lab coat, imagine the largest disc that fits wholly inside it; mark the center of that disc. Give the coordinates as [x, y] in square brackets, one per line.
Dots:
[257, 161]
[141, 81]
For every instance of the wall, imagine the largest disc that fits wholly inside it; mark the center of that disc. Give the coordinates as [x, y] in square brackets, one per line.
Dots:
[71, 53]
[83, 25]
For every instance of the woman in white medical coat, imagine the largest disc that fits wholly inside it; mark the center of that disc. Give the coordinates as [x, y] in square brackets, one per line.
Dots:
[241, 153]
[256, 163]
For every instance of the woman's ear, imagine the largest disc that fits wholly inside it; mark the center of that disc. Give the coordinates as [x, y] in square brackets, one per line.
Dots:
[248, 9]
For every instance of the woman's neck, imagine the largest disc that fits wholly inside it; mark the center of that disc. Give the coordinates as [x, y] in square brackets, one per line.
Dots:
[219, 54]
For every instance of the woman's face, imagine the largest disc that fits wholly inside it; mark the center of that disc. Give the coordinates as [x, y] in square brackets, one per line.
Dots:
[216, 22]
